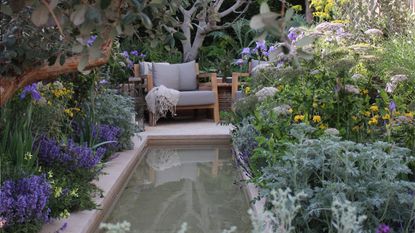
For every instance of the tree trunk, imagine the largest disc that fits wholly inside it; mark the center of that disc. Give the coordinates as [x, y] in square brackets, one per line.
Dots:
[308, 12]
[10, 85]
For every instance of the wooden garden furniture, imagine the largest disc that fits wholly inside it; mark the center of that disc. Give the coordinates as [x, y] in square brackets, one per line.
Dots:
[236, 81]
[191, 98]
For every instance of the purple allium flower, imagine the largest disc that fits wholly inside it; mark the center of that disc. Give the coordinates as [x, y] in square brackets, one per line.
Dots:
[125, 54]
[246, 51]
[32, 90]
[383, 228]
[261, 46]
[292, 36]
[91, 40]
[134, 53]
[392, 106]
[25, 200]
[67, 155]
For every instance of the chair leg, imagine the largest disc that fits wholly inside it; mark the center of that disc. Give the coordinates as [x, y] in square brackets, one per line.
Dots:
[216, 116]
[151, 119]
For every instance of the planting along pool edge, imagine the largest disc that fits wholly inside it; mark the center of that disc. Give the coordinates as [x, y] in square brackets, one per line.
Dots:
[117, 172]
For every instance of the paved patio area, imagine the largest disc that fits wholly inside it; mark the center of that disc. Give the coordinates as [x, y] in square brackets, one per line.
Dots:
[118, 170]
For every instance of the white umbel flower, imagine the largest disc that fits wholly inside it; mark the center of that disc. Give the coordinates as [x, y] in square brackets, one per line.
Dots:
[266, 92]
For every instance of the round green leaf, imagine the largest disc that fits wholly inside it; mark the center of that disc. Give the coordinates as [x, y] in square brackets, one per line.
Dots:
[40, 15]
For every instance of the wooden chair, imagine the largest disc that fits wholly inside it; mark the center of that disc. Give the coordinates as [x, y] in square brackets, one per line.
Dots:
[188, 104]
[236, 82]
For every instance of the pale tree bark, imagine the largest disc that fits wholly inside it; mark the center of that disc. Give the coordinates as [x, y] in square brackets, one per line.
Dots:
[308, 12]
[204, 18]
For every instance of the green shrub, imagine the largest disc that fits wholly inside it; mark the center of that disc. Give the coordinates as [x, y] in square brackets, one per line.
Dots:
[117, 110]
[371, 176]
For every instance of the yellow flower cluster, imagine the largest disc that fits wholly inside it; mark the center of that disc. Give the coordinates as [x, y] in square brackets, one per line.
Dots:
[374, 108]
[62, 92]
[323, 8]
[299, 118]
[316, 119]
[374, 120]
[71, 111]
[247, 90]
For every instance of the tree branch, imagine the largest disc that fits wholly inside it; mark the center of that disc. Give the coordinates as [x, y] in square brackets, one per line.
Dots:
[9, 86]
[234, 7]
[54, 17]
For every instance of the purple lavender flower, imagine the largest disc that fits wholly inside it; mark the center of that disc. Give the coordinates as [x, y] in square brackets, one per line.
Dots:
[134, 53]
[32, 90]
[383, 228]
[67, 155]
[246, 51]
[261, 46]
[292, 36]
[25, 200]
[107, 133]
[392, 106]
[91, 40]
[125, 54]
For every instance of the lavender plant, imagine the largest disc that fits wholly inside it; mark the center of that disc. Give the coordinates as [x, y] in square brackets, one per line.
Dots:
[24, 203]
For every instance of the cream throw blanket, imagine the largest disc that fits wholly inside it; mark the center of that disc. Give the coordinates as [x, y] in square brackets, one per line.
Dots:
[161, 100]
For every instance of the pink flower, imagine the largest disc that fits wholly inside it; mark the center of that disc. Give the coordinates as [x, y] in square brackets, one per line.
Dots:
[2, 222]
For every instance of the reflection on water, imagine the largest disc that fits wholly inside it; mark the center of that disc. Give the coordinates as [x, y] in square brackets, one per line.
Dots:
[172, 186]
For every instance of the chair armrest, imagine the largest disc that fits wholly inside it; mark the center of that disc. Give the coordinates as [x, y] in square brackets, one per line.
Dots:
[235, 82]
[213, 79]
[150, 82]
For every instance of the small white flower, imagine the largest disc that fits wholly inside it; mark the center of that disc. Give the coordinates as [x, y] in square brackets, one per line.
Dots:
[283, 110]
[374, 32]
[332, 131]
[266, 92]
[357, 76]
[351, 89]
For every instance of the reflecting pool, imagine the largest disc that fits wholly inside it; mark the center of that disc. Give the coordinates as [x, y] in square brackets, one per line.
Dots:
[170, 186]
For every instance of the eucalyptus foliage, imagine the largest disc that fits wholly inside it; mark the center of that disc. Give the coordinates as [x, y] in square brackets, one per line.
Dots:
[33, 31]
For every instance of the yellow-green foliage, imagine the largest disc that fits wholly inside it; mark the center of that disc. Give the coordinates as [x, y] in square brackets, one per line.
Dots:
[323, 9]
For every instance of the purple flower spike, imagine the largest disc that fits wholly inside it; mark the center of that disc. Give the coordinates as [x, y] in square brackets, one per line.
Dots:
[383, 228]
[246, 51]
[134, 53]
[25, 200]
[292, 36]
[392, 106]
[32, 90]
[125, 54]
[91, 40]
